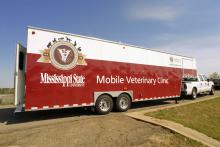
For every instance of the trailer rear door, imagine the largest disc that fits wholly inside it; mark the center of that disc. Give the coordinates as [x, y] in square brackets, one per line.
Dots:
[20, 75]
[188, 67]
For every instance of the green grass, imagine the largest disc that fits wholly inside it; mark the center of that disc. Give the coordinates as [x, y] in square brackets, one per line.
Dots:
[182, 141]
[203, 116]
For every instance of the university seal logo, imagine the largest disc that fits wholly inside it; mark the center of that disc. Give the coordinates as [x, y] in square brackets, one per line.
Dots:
[62, 54]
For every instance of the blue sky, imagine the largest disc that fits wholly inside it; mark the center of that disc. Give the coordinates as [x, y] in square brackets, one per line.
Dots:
[187, 27]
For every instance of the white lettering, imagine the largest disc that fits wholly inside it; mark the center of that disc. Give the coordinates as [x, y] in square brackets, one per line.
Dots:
[130, 80]
[72, 80]
[161, 80]
[109, 80]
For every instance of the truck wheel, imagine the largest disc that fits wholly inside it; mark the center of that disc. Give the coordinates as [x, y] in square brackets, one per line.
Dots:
[104, 104]
[123, 103]
[212, 92]
[194, 93]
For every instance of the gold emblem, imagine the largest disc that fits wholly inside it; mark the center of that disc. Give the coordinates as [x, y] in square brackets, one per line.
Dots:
[62, 55]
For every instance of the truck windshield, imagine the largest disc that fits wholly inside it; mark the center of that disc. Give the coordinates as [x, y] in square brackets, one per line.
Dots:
[205, 78]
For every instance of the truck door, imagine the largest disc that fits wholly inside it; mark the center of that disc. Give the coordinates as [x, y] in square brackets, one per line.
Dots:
[20, 75]
[202, 84]
[207, 86]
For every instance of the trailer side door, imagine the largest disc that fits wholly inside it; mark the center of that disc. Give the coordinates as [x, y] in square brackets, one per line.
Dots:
[20, 75]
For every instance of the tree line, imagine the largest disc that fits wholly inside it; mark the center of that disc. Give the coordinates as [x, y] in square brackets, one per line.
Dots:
[7, 90]
[214, 75]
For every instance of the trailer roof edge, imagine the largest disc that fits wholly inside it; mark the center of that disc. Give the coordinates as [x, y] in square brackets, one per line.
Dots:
[109, 41]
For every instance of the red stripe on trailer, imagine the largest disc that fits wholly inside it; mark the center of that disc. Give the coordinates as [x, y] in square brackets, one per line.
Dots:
[51, 95]
[189, 73]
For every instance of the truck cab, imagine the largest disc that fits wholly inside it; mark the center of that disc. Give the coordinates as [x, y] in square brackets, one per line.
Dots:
[197, 85]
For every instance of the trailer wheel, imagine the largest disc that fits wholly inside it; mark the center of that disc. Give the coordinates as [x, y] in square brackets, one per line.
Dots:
[123, 103]
[212, 92]
[104, 104]
[194, 93]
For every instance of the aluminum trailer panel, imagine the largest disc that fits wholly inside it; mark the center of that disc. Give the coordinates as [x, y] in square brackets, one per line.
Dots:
[67, 70]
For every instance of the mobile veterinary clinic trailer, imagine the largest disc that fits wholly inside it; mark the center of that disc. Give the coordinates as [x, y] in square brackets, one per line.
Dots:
[59, 70]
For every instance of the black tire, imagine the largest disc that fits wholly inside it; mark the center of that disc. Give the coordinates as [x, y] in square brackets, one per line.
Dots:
[194, 93]
[103, 105]
[122, 103]
[212, 92]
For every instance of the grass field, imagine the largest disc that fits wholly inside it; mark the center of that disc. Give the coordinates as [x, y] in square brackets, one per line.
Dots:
[7, 90]
[203, 116]
[6, 96]
[7, 99]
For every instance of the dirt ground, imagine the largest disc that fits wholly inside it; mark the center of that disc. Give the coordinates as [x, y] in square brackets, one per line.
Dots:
[78, 127]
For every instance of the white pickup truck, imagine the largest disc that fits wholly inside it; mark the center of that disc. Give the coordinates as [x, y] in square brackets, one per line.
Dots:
[194, 86]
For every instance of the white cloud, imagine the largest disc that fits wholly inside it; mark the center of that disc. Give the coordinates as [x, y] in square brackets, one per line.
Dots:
[163, 13]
